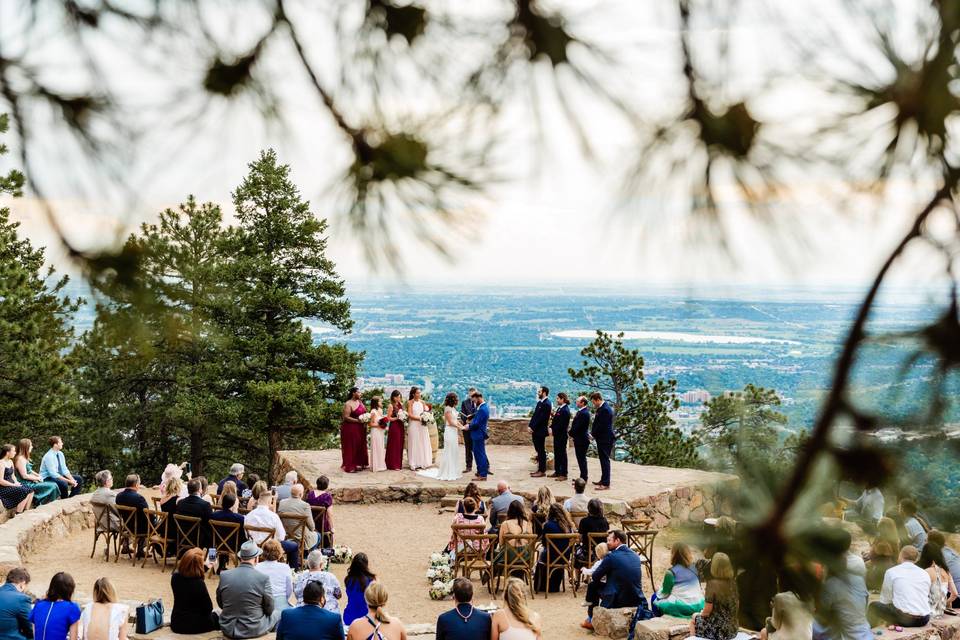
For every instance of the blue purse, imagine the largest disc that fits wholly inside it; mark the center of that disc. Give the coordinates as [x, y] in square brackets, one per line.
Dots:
[150, 616]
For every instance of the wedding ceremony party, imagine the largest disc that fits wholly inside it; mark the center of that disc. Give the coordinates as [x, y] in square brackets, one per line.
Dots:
[498, 320]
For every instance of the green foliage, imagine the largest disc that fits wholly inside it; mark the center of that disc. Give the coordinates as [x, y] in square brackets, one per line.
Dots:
[643, 425]
[34, 331]
[742, 427]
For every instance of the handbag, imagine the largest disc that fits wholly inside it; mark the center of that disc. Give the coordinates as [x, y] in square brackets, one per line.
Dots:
[150, 616]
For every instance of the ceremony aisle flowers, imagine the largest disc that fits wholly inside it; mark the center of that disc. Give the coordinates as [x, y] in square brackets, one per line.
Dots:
[440, 590]
[342, 554]
[440, 576]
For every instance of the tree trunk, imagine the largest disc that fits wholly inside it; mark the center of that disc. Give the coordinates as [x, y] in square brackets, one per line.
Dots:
[274, 437]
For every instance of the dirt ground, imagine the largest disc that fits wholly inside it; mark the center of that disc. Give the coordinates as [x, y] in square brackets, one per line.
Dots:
[398, 538]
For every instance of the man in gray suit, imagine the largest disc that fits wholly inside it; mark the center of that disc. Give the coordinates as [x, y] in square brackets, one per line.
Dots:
[295, 505]
[245, 599]
[500, 503]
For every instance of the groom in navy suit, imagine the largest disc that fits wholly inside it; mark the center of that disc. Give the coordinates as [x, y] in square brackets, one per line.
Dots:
[464, 622]
[538, 427]
[478, 436]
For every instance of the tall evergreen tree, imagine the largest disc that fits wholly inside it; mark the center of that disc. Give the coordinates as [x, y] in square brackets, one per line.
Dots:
[277, 277]
[34, 330]
[645, 431]
[742, 427]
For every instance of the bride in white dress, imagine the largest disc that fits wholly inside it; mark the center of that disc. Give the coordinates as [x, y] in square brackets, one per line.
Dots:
[449, 463]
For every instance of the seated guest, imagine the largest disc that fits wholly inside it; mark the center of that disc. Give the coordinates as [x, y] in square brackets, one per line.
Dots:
[517, 523]
[905, 594]
[592, 596]
[791, 619]
[57, 617]
[12, 493]
[311, 620]
[230, 489]
[541, 507]
[951, 557]
[170, 492]
[621, 569]
[192, 608]
[281, 579]
[472, 491]
[43, 492]
[245, 599]
[53, 468]
[867, 509]
[252, 479]
[204, 489]
[718, 620]
[282, 491]
[130, 497]
[258, 491]
[358, 578]
[195, 506]
[578, 503]
[516, 620]
[15, 606]
[842, 605]
[463, 622]
[317, 572]
[942, 589]
[470, 516]
[320, 497]
[105, 618]
[593, 522]
[916, 533]
[170, 472]
[883, 553]
[235, 475]
[376, 624]
[295, 505]
[228, 513]
[558, 521]
[103, 498]
[500, 503]
[680, 595]
[264, 516]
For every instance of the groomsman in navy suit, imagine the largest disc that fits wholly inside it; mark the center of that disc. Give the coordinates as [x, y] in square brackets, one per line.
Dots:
[478, 436]
[604, 436]
[580, 433]
[539, 426]
[558, 429]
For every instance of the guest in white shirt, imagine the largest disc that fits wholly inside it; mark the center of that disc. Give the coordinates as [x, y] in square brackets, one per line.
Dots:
[579, 500]
[281, 578]
[905, 595]
[265, 516]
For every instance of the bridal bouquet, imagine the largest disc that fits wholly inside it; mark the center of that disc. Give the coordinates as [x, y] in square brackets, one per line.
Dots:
[342, 554]
[440, 589]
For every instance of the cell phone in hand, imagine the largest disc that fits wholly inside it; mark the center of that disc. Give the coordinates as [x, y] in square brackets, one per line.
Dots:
[211, 555]
[187, 468]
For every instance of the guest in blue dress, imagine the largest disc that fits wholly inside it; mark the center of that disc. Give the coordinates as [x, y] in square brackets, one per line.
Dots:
[56, 617]
[43, 492]
[357, 580]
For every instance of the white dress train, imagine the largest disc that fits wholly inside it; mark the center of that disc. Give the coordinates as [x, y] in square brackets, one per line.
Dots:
[449, 463]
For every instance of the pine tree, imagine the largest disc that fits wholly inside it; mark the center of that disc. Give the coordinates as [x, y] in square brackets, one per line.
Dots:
[742, 427]
[643, 425]
[277, 277]
[34, 331]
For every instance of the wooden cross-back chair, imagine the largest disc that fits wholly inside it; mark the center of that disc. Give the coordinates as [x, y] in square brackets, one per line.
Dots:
[130, 525]
[319, 520]
[519, 560]
[560, 558]
[593, 539]
[475, 556]
[103, 528]
[226, 539]
[296, 527]
[641, 541]
[158, 537]
[189, 533]
[270, 532]
[460, 530]
[577, 516]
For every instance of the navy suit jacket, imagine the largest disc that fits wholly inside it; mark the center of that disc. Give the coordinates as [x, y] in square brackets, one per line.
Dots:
[450, 625]
[622, 569]
[309, 622]
[15, 614]
[131, 498]
[541, 417]
[478, 424]
[467, 409]
[603, 424]
[561, 420]
[581, 425]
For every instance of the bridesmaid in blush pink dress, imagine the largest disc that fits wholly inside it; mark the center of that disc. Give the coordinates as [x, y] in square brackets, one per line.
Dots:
[378, 452]
[419, 453]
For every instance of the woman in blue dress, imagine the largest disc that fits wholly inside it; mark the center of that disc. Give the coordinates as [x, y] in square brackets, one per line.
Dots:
[43, 492]
[56, 617]
[357, 580]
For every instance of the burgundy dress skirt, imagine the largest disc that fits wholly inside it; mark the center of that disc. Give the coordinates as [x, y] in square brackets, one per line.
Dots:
[395, 445]
[353, 443]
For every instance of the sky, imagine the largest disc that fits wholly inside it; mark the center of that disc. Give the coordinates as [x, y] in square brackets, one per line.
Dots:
[559, 219]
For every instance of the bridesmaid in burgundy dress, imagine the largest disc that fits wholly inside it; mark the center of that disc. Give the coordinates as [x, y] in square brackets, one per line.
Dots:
[395, 432]
[353, 435]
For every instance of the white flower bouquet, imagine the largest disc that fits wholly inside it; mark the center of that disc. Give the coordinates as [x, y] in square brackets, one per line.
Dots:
[342, 554]
[427, 419]
[439, 559]
[442, 573]
[402, 416]
[364, 418]
[440, 589]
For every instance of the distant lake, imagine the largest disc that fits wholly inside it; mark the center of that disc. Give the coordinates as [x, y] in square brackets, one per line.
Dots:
[671, 336]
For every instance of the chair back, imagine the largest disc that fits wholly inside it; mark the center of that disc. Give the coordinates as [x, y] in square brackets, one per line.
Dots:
[577, 516]
[295, 524]
[635, 524]
[159, 537]
[225, 538]
[189, 532]
[319, 522]
[102, 513]
[519, 557]
[474, 556]
[156, 502]
[560, 557]
[593, 539]
[501, 517]
[251, 529]
[215, 499]
[641, 541]
[129, 522]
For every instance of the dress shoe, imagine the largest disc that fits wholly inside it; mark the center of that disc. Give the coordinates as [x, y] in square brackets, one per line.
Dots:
[586, 624]
[552, 475]
[467, 470]
[560, 478]
[538, 474]
[602, 487]
[597, 482]
[479, 478]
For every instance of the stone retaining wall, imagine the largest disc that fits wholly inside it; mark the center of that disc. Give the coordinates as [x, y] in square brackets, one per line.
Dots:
[20, 535]
[512, 431]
